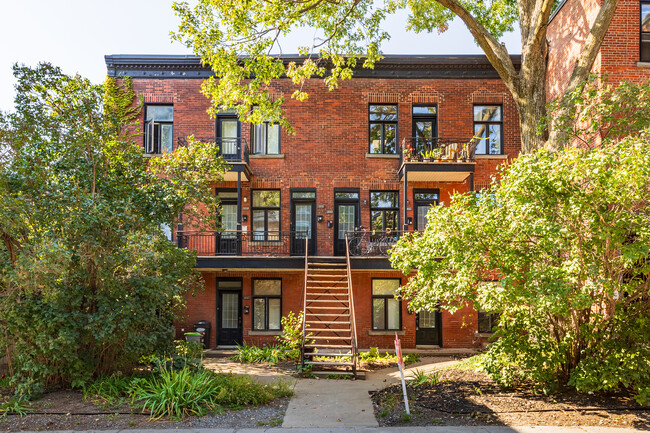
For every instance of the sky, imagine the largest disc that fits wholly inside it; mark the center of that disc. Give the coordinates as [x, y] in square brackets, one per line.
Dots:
[76, 34]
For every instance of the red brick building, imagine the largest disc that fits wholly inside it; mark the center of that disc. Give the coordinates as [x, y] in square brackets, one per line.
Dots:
[345, 172]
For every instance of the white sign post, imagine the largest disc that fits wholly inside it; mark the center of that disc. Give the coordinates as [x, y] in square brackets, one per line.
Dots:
[400, 364]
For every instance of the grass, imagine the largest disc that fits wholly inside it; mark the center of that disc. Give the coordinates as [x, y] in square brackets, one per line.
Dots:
[471, 363]
[388, 405]
[15, 406]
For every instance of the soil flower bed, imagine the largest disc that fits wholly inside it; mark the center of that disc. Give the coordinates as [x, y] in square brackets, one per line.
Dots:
[470, 397]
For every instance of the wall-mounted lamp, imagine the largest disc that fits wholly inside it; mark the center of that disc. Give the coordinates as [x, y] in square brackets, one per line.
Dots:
[246, 309]
[365, 201]
[409, 221]
[245, 199]
[330, 224]
[244, 218]
[319, 218]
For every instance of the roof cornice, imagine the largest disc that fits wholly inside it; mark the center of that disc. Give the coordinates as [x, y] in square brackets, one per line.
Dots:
[391, 66]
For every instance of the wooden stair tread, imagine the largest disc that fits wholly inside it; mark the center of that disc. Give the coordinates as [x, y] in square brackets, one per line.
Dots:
[329, 363]
[327, 337]
[335, 354]
[328, 322]
[330, 330]
[334, 307]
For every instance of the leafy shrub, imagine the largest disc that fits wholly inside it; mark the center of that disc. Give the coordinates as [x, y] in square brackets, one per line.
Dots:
[291, 337]
[15, 406]
[181, 393]
[109, 388]
[373, 356]
[188, 349]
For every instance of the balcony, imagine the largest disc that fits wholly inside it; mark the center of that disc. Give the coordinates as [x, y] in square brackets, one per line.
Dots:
[243, 243]
[373, 243]
[437, 159]
[235, 151]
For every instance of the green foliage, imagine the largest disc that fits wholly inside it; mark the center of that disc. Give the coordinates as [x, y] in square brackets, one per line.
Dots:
[110, 389]
[567, 236]
[181, 393]
[291, 337]
[236, 37]
[88, 281]
[252, 354]
[189, 349]
[15, 406]
[419, 377]
[373, 356]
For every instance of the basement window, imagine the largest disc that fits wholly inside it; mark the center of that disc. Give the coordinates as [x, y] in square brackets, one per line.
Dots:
[386, 310]
[267, 304]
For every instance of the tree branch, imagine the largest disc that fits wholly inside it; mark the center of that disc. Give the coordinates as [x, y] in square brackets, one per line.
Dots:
[494, 50]
[587, 56]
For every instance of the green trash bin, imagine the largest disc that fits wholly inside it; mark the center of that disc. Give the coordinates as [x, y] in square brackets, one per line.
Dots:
[193, 336]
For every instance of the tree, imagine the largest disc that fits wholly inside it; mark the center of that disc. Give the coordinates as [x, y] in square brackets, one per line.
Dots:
[235, 37]
[88, 281]
[560, 248]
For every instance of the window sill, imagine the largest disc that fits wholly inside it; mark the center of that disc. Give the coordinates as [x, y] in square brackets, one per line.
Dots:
[274, 156]
[382, 155]
[151, 155]
[377, 333]
[643, 64]
[483, 334]
[491, 156]
[264, 332]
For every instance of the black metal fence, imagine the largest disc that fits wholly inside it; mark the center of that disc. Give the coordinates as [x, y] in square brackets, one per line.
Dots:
[437, 149]
[233, 149]
[244, 243]
[372, 243]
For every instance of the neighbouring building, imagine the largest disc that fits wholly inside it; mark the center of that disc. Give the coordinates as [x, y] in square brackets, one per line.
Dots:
[290, 200]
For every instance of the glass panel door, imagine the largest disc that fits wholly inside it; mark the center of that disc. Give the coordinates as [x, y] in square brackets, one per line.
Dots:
[229, 314]
[303, 219]
[427, 331]
[228, 133]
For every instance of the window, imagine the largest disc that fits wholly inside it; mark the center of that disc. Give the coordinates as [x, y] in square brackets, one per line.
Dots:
[386, 310]
[645, 31]
[266, 215]
[487, 322]
[383, 128]
[266, 139]
[228, 200]
[158, 125]
[423, 200]
[267, 304]
[424, 127]
[488, 126]
[384, 209]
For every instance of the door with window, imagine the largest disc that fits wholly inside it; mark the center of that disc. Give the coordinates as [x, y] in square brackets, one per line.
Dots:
[423, 199]
[303, 222]
[228, 130]
[428, 327]
[228, 241]
[425, 127]
[229, 314]
[346, 217]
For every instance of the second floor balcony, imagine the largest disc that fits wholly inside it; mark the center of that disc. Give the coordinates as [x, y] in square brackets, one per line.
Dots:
[437, 159]
[235, 151]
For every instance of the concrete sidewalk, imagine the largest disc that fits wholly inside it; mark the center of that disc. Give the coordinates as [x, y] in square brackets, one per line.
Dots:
[381, 430]
[345, 403]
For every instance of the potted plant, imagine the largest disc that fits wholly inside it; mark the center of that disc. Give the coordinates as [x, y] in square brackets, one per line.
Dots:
[428, 155]
[408, 153]
[437, 153]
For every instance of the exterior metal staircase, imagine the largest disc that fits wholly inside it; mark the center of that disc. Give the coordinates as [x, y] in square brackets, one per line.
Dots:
[329, 328]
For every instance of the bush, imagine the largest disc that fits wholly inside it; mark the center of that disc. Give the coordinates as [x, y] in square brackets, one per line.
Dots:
[188, 349]
[291, 337]
[373, 356]
[252, 354]
[181, 393]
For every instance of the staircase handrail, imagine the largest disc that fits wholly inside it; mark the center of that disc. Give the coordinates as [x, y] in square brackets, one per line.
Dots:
[352, 315]
[304, 305]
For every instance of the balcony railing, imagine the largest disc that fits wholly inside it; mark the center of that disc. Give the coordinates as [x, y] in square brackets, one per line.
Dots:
[437, 149]
[373, 243]
[243, 243]
[233, 149]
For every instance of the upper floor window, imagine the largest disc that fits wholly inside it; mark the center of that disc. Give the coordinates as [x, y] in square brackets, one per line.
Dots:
[159, 122]
[266, 139]
[266, 215]
[384, 209]
[645, 31]
[383, 128]
[488, 126]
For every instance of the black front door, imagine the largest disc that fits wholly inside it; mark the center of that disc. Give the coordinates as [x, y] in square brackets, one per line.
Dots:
[229, 314]
[303, 221]
[346, 217]
[428, 328]
[423, 200]
[228, 241]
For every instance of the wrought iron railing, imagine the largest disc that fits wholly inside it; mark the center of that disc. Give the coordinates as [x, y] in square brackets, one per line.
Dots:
[244, 243]
[233, 149]
[370, 243]
[437, 149]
